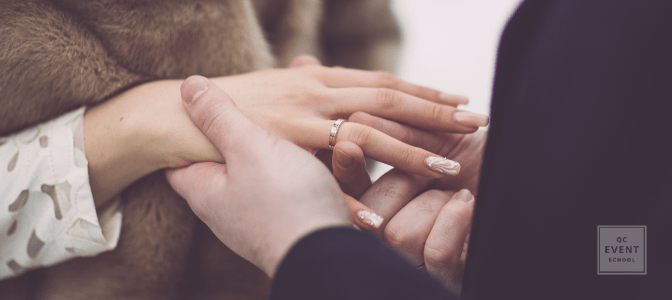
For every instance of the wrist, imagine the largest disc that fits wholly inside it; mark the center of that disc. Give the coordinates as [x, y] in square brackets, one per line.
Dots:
[174, 140]
[276, 253]
[121, 141]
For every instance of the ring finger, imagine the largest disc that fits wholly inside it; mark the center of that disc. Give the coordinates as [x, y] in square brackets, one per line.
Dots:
[375, 145]
[386, 149]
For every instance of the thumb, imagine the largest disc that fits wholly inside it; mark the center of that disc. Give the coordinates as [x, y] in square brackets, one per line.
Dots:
[349, 168]
[218, 117]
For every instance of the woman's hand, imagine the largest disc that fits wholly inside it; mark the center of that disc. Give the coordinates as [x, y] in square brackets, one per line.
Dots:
[146, 128]
[301, 104]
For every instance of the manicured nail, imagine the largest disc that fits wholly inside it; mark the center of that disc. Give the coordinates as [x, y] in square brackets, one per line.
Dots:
[442, 165]
[470, 119]
[370, 218]
[195, 85]
[343, 160]
[463, 195]
[453, 98]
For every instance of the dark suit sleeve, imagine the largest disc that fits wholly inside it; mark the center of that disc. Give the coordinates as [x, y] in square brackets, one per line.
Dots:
[580, 137]
[343, 263]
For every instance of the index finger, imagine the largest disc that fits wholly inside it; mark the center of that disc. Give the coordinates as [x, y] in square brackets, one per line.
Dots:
[344, 77]
[376, 145]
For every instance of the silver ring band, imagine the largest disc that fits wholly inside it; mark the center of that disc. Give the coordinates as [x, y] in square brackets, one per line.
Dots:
[333, 132]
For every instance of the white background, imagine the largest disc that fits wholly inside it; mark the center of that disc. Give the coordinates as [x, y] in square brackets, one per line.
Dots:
[450, 45]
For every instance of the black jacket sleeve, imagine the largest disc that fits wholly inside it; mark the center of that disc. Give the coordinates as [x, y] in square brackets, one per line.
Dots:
[343, 263]
[580, 137]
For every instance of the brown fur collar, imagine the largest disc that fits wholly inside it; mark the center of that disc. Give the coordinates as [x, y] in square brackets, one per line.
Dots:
[59, 55]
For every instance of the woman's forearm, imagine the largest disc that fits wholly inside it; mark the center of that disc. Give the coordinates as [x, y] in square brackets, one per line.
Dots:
[136, 133]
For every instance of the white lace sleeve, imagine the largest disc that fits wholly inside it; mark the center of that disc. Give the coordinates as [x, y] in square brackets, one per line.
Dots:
[47, 214]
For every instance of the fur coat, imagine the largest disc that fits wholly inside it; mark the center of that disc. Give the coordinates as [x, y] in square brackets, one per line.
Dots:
[57, 55]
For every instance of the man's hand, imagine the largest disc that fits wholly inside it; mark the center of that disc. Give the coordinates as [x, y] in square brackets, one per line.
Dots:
[428, 226]
[270, 192]
[430, 229]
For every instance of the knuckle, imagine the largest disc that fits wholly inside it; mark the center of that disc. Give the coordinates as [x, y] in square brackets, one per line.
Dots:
[430, 202]
[313, 69]
[439, 255]
[360, 134]
[387, 98]
[437, 112]
[305, 58]
[396, 237]
[407, 155]
[438, 194]
[459, 214]
[435, 194]
[359, 117]
[215, 117]
[434, 200]
[408, 136]
[386, 79]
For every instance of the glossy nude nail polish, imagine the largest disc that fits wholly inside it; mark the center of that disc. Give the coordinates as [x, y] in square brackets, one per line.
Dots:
[442, 165]
[469, 119]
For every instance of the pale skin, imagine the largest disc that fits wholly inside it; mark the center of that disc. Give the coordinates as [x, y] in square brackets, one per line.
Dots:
[420, 217]
[146, 128]
[124, 143]
[428, 226]
[288, 202]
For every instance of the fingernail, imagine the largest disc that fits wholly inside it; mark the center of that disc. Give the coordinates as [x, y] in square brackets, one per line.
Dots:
[455, 98]
[463, 195]
[195, 85]
[370, 218]
[442, 165]
[470, 119]
[343, 160]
